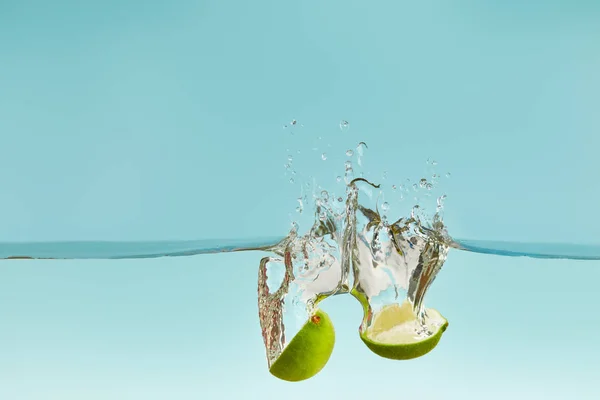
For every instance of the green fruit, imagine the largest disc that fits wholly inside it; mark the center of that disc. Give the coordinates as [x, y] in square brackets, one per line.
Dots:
[308, 352]
[393, 333]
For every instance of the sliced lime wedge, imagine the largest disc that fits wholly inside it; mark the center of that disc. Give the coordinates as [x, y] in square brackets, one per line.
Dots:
[308, 351]
[396, 333]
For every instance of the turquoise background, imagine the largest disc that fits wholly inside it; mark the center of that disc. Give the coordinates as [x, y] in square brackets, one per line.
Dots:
[131, 120]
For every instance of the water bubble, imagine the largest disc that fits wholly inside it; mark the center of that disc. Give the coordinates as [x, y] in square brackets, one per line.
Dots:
[349, 153]
[325, 196]
[348, 165]
[294, 122]
[291, 180]
[385, 206]
[340, 199]
[394, 187]
[290, 158]
[448, 174]
[423, 182]
[428, 186]
[344, 125]
[415, 187]
[324, 156]
[338, 178]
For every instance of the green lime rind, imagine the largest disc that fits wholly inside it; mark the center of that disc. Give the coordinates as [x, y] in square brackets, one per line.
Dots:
[308, 351]
[405, 351]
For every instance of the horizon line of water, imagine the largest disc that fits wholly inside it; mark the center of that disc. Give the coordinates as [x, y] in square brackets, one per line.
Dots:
[74, 250]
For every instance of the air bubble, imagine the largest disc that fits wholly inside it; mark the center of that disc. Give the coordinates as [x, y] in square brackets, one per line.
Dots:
[448, 174]
[344, 125]
[324, 156]
[349, 153]
[385, 206]
[394, 187]
[338, 178]
[292, 180]
[325, 195]
[340, 199]
[423, 183]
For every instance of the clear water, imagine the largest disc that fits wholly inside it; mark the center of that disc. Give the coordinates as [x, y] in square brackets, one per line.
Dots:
[106, 250]
[352, 247]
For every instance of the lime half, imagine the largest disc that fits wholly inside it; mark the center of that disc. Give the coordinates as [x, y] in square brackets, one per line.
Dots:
[397, 334]
[308, 351]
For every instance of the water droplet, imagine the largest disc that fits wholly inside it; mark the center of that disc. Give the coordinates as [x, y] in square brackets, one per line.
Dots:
[325, 195]
[361, 151]
[349, 175]
[428, 186]
[385, 206]
[415, 187]
[440, 202]
[414, 212]
[294, 122]
[349, 153]
[448, 174]
[291, 180]
[348, 165]
[324, 156]
[423, 182]
[394, 187]
[340, 199]
[344, 125]
[290, 158]
[339, 178]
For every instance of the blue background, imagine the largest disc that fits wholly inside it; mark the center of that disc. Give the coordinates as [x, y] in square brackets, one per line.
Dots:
[131, 120]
